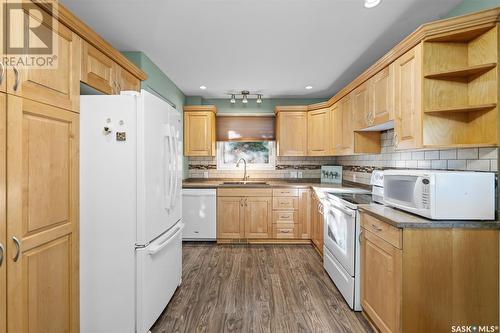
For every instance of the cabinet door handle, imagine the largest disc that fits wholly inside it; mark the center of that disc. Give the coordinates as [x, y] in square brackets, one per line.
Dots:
[396, 141]
[2, 72]
[241, 202]
[17, 243]
[246, 204]
[376, 228]
[16, 83]
[2, 251]
[360, 237]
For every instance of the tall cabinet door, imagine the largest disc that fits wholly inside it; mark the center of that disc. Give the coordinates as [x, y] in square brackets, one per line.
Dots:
[230, 220]
[59, 86]
[3, 225]
[3, 68]
[42, 217]
[258, 217]
[407, 94]
[318, 124]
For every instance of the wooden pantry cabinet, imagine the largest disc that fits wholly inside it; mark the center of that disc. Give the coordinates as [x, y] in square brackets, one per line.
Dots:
[39, 183]
[3, 209]
[427, 280]
[42, 217]
[291, 131]
[199, 130]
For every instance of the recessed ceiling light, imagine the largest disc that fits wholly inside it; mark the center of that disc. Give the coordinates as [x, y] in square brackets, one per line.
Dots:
[372, 3]
[309, 87]
[203, 87]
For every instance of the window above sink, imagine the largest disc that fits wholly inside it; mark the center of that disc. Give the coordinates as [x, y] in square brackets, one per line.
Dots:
[259, 155]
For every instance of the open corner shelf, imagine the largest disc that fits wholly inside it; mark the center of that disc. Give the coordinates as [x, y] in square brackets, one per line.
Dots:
[462, 74]
[463, 108]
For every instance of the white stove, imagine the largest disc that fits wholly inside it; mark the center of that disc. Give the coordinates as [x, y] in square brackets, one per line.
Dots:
[341, 241]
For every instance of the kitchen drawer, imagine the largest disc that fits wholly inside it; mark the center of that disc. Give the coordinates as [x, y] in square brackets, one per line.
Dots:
[285, 192]
[244, 192]
[284, 231]
[383, 230]
[285, 203]
[284, 217]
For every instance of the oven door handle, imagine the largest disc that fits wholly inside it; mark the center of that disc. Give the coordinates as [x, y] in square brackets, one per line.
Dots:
[343, 210]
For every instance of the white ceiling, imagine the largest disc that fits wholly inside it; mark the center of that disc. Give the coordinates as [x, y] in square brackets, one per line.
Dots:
[276, 47]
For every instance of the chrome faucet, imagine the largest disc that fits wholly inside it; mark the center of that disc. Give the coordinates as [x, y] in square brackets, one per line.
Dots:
[245, 177]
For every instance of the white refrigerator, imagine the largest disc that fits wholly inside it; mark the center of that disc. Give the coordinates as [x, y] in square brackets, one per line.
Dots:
[130, 210]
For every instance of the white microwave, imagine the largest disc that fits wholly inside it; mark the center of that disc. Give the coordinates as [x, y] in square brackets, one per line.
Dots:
[442, 195]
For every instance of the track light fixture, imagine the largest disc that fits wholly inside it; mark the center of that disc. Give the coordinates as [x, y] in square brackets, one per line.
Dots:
[245, 95]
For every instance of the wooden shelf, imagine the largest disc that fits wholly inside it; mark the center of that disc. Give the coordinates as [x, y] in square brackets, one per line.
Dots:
[462, 74]
[463, 108]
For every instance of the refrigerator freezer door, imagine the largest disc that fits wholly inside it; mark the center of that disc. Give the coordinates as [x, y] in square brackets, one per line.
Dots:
[156, 162]
[159, 272]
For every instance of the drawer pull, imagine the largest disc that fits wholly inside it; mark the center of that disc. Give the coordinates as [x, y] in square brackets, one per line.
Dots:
[376, 228]
[284, 231]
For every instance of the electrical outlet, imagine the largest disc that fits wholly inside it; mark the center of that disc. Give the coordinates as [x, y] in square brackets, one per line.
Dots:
[205, 174]
[299, 174]
[293, 174]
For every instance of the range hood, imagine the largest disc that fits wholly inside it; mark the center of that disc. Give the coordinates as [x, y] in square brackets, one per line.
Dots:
[245, 128]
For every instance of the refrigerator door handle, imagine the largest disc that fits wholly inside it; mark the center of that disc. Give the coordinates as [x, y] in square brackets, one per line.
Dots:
[169, 238]
[175, 168]
[167, 174]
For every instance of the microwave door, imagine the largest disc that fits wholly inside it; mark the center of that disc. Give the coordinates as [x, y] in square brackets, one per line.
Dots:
[401, 190]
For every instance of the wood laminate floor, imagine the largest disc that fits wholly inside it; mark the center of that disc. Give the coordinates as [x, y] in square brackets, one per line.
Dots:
[257, 288]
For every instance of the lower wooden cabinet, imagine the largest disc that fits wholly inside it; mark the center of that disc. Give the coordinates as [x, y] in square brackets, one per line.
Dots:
[42, 217]
[244, 217]
[258, 217]
[428, 280]
[317, 224]
[304, 214]
[230, 218]
[381, 282]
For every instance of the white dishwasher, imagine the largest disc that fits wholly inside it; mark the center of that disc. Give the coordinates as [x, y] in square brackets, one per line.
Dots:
[199, 214]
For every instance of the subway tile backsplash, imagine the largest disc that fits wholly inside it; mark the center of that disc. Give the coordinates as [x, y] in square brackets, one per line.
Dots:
[472, 159]
[358, 168]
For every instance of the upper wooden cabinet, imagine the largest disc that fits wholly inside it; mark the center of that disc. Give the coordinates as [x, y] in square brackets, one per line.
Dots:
[408, 95]
[42, 208]
[60, 86]
[199, 130]
[98, 70]
[381, 108]
[125, 81]
[291, 131]
[317, 133]
[360, 106]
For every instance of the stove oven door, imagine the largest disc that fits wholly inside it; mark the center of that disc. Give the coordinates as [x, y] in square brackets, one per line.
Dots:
[340, 234]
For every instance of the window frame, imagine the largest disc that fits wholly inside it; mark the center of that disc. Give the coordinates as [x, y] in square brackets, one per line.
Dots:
[232, 166]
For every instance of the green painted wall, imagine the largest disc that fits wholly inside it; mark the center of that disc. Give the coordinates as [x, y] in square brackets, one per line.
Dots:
[158, 82]
[468, 6]
[266, 107]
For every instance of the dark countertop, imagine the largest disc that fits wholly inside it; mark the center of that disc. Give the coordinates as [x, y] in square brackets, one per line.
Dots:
[271, 183]
[400, 219]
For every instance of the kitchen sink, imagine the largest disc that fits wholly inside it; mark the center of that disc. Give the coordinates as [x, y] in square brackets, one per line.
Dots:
[247, 182]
